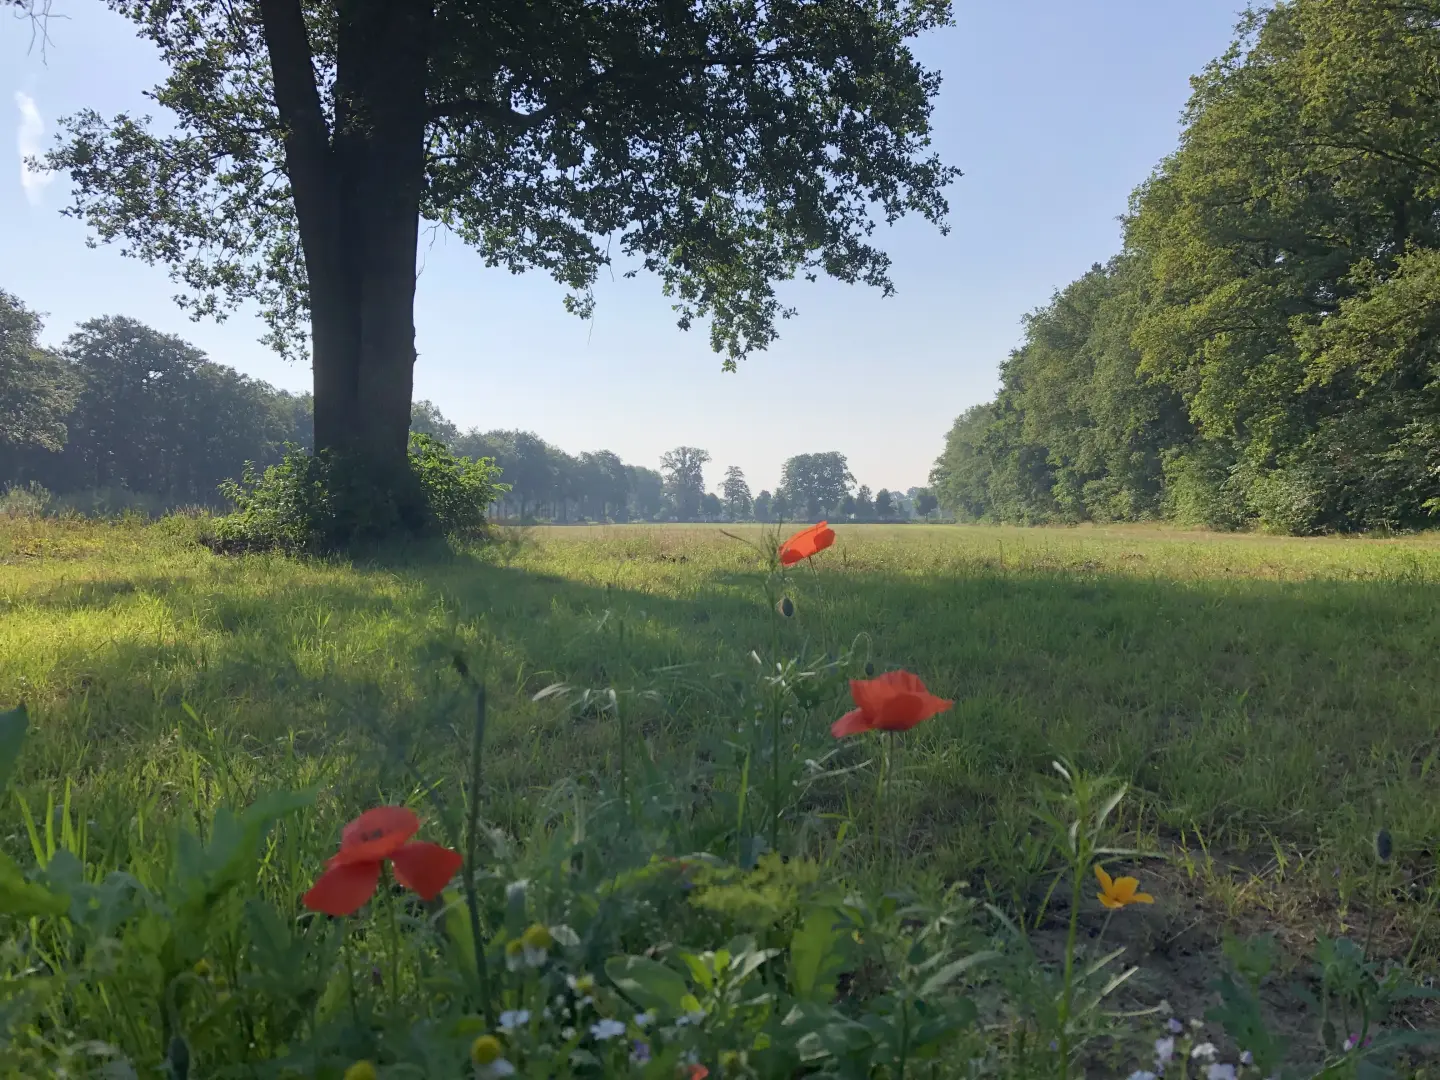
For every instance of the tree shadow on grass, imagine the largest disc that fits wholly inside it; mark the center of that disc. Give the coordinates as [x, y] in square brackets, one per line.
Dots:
[1246, 712]
[1242, 710]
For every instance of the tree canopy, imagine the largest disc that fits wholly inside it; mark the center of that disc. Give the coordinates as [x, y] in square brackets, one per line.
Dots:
[722, 146]
[1264, 348]
[816, 483]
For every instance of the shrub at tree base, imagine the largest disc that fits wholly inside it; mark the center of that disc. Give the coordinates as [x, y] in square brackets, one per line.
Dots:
[325, 503]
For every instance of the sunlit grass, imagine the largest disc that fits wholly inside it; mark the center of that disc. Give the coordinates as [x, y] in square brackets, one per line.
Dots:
[1272, 701]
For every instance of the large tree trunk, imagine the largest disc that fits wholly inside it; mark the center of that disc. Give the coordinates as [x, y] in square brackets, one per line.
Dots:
[357, 182]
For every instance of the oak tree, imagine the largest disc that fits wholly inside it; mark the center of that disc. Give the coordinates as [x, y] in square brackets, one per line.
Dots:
[721, 145]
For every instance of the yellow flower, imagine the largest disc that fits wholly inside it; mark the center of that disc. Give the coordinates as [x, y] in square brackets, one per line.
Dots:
[1120, 892]
[537, 937]
[361, 1070]
[202, 967]
[486, 1050]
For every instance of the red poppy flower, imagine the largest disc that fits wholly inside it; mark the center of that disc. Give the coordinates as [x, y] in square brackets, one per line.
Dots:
[376, 835]
[805, 543]
[895, 701]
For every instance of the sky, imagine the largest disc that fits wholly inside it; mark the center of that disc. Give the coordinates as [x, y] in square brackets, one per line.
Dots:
[1055, 110]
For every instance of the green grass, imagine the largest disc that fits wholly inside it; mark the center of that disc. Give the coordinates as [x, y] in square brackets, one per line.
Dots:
[1272, 701]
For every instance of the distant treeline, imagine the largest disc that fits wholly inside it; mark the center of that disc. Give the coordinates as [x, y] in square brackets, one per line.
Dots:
[128, 416]
[1265, 349]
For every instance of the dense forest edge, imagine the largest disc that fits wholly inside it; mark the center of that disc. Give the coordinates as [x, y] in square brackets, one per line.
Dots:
[1263, 350]
[123, 417]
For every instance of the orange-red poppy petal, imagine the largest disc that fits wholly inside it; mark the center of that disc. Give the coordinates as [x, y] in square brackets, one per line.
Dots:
[376, 834]
[872, 694]
[852, 723]
[343, 890]
[425, 868]
[805, 543]
[904, 711]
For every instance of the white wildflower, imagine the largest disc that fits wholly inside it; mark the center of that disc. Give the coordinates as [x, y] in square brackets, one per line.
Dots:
[511, 1019]
[607, 1029]
[1164, 1050]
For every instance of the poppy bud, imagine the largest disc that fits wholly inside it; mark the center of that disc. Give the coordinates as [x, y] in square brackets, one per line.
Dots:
[1383, 848]
[869, 670]
[786, 607]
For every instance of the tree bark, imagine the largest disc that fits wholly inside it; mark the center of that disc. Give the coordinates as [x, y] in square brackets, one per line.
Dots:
[356, 181]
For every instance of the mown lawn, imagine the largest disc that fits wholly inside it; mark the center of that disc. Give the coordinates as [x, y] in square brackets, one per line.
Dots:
[1272, 702]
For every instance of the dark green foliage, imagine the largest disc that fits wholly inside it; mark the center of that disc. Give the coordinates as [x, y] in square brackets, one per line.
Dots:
[324, 503]
[1264, 351]
[544, 135]
[37, 389]
[122, 412]
[684, 472]
[816, 485]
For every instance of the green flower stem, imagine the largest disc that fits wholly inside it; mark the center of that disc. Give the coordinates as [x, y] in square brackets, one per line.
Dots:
[1068, 988]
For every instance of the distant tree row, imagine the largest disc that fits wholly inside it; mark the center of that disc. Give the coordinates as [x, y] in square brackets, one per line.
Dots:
[1266, 348]
[548, 484]
[122, 408]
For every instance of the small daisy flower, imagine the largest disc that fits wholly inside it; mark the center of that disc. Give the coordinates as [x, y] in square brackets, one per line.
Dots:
[1204, 1052]
[1217, 1071]
[1247, 1058]
[489, 1058]
[605, 1030]
[514, 955]
[511, 1019]
[535, 945]
[644, 1019]
[1174, 1026]
[1164, 1050]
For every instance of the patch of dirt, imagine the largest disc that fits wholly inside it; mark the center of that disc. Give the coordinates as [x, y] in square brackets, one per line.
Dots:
[1177, 946]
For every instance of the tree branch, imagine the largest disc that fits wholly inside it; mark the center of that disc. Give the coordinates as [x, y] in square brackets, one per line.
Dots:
[584, 93]
[297, 98]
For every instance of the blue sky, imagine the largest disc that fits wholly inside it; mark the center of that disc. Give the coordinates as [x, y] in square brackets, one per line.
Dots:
[1055, 110]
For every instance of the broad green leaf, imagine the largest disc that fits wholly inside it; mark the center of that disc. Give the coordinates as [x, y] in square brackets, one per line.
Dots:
[699, 970]
[649, 984]
[819, 951]
[458, 930]
[26, 898]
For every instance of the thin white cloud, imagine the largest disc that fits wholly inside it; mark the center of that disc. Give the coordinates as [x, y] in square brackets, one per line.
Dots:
[28, 141]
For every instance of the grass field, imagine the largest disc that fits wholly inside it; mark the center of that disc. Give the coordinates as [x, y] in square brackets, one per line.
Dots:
[1271, 701]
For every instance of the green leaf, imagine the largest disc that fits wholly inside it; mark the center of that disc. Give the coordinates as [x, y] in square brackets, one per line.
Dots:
[26, 898]
[457, 929]
[819, 951]
[699, 970]
[649, 984]
[13, 726]
[952, 971]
